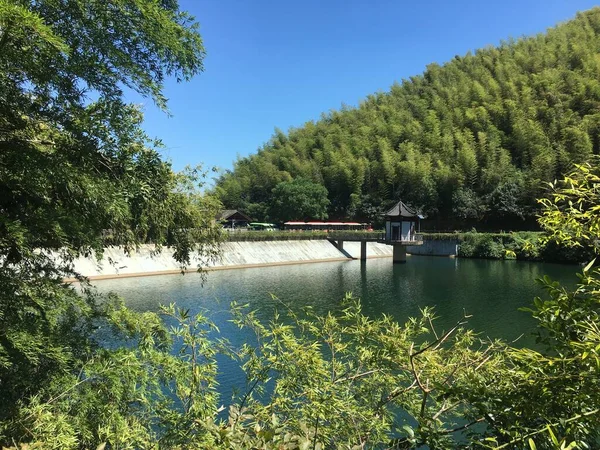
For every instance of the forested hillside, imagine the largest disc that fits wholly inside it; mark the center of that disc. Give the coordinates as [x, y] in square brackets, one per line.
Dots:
[470, 142]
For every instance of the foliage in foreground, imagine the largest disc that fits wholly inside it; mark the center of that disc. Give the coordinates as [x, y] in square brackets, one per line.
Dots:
[342, 380]
[338, 382]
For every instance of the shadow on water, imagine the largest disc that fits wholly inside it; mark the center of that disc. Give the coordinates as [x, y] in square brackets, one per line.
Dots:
[490, 291]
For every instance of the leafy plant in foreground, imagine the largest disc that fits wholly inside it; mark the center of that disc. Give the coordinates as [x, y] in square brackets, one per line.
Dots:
[350, 381]
[551, 397]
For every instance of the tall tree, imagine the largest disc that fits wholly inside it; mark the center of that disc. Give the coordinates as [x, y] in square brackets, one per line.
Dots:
[298, 200]
[77, 171]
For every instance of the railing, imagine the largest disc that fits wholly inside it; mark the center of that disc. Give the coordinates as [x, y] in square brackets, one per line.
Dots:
[415, 237]
[349, 236]
[370, 236]
[373, 236]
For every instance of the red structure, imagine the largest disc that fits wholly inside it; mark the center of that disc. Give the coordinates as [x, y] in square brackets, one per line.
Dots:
[325, 226]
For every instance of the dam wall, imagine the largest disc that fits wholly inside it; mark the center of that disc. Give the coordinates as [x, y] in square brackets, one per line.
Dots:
[145, 261]
[437, 247]
[374, 249]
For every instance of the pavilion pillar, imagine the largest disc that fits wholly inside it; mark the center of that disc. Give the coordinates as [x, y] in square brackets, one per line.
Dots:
[399, 255]
[363, 250]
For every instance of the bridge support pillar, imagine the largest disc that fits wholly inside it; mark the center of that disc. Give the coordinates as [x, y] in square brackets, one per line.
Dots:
[340, 245]
[363, 250]
[399, 255]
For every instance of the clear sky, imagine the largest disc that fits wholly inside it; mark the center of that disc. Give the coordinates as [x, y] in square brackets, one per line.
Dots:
[281, 63]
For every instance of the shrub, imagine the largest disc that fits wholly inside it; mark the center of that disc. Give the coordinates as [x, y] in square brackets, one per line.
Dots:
[481, 245]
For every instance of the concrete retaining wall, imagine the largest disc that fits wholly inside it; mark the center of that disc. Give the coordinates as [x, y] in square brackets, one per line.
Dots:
[436, 247]
[374, 249]
[115, 263]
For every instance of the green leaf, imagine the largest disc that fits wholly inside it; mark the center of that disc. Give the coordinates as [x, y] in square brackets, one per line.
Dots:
[589, 265]
[552, 436]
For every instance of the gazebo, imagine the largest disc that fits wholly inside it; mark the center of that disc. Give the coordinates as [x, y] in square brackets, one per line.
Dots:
[401, 223]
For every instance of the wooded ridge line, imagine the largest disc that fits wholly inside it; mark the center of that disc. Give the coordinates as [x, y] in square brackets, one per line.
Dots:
[472, 142]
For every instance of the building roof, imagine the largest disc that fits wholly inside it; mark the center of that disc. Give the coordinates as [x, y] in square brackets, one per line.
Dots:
[229, 213]
[400, 209]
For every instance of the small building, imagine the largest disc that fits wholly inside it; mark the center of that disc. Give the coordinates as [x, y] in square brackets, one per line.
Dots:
[401, 223]
[232, 218]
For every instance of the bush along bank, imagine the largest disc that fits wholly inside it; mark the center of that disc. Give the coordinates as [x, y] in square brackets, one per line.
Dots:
[523, 245]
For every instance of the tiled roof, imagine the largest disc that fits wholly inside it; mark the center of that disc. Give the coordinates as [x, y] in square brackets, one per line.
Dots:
[400, 209]
[227, 213]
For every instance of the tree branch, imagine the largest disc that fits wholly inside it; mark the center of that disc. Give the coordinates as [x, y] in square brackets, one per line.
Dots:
[572, 419]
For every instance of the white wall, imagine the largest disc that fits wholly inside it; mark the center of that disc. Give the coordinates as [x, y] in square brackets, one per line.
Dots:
[116, 263]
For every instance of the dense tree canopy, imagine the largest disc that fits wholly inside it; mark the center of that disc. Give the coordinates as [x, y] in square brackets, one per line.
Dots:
[299, 199]
[71, 167]
[469, 142]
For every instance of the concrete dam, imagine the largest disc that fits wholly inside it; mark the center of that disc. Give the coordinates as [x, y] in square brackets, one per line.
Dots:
[144, 261]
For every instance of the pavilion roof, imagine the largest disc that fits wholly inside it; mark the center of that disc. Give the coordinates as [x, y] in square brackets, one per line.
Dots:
[230, 213]
[401, 209]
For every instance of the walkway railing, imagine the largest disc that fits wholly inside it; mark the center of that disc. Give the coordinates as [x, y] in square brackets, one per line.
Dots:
[415, 237]
[348, 236]
[372, 236]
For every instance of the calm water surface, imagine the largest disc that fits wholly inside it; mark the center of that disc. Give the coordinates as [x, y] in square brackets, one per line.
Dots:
[490, 291]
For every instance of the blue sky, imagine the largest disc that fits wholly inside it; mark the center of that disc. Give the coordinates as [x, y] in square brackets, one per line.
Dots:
[281, 63]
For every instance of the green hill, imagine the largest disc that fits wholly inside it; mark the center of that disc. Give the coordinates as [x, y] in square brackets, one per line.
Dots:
[470, 142]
